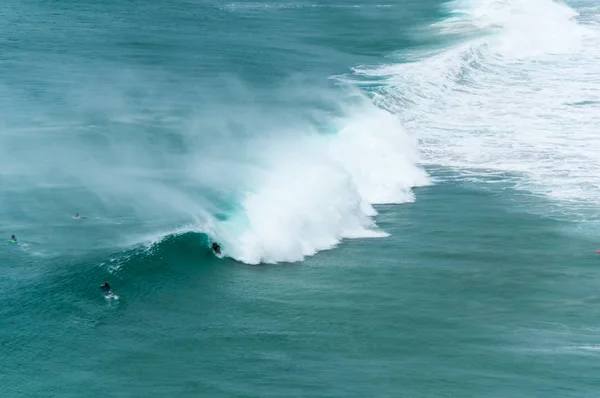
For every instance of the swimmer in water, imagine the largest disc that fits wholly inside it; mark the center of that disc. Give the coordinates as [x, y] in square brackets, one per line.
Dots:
[105, 288]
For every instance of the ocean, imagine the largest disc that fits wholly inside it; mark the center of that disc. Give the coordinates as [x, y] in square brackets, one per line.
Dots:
[406, 194]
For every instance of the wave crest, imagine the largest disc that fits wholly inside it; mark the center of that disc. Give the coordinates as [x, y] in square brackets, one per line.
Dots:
[320, 189]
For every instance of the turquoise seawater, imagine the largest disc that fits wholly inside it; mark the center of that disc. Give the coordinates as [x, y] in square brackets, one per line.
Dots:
[406, 194]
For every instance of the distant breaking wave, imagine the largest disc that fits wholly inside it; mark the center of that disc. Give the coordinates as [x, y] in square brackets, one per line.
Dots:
[516, 93]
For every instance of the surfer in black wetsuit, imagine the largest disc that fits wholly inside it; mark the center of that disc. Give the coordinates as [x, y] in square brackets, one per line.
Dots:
[105, 288]
[216, 248]
[13, 238]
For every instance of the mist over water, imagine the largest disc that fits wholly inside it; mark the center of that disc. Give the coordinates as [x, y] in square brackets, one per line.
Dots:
[166, 157]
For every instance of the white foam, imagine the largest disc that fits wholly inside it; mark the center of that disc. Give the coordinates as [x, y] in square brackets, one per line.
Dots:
[316, 190]
[523, 96]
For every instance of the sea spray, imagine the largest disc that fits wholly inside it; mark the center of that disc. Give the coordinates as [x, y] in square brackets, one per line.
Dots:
[318, 189]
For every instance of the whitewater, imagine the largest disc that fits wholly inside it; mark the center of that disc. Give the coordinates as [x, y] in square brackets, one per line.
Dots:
[516, 98]
[313, 192]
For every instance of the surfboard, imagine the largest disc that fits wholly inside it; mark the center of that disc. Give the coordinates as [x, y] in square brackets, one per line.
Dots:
[14, 242]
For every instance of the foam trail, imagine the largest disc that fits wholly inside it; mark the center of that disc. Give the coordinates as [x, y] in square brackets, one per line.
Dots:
[519, 93]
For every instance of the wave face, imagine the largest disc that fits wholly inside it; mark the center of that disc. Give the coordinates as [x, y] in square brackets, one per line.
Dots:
[516, 95]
